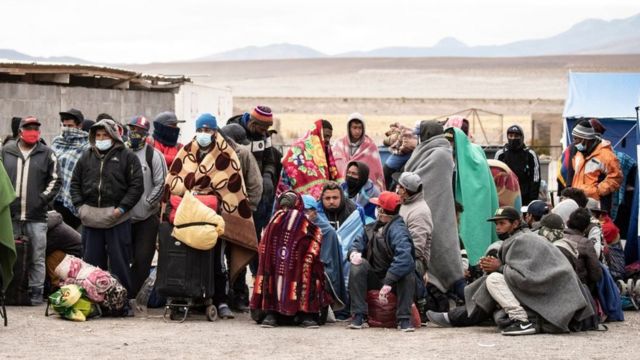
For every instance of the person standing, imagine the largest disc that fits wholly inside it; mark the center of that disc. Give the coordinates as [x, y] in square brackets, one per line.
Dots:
[145, 217]
[165, 135]
[106, 184]
[35, 174]
[523, 161]
[68, 147]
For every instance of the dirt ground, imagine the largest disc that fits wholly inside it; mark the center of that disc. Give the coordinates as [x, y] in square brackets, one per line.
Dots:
[32, 335]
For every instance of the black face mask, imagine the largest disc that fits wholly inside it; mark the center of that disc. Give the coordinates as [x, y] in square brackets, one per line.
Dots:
[352, 185]
[503, 236]
[515, 143]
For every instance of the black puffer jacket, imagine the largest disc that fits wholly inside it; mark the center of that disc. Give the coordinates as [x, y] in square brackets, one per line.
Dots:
[110, 179]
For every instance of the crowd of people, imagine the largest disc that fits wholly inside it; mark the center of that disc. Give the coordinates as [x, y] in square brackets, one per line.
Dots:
[325, 223]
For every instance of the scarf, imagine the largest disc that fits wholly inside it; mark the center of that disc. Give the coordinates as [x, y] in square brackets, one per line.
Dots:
[290, 276]
[218, 173]
[7, 244]
[307, 166]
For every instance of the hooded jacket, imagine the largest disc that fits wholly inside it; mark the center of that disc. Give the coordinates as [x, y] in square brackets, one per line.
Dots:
[337, 218]
[69, 148]
[416, 214]
[365, 150]
[364, 190]
[35, 179]
[110, 179]
[524, 162]
[598, 174]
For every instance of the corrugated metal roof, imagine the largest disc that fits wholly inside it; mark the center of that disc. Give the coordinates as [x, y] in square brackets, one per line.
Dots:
[96, 76]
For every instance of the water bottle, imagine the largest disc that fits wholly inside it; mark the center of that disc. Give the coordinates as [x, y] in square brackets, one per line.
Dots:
[142, 299]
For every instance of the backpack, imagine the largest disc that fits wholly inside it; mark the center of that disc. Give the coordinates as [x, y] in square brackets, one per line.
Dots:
[18, 291]
[149, 157]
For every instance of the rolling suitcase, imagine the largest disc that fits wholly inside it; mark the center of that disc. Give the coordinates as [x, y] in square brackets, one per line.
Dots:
[185, 276]
[18, 291]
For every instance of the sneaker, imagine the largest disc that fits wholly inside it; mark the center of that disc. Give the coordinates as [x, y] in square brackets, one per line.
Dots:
[269, 322]
[405, 325]
[439, 318]
[309, 323]
[358, 321]
[519, 328]
[224, 312]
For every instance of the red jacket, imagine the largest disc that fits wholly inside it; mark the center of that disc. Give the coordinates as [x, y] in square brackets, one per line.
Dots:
[169, 152]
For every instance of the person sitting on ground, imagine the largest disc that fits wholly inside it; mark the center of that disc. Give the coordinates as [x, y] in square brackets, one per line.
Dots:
[528, 272]
[309, 163]
[289, 263]
[534, 212]
[383, 258]
[552, 228]
[587, 264]
[359, 188]
[564, 209]
[358, 146]
[613, 251]
[330, 252]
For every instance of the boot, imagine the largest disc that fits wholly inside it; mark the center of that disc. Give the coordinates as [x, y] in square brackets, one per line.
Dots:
[35, 296]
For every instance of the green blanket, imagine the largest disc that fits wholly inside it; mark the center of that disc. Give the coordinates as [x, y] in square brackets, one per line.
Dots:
[476, 191]
[7, 244]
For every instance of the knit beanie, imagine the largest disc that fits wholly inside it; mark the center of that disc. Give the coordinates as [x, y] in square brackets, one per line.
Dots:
[206, 120]
[584, 130]
[262, 114]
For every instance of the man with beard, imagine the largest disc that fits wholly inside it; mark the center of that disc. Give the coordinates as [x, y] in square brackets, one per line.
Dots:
[523, 161]
[68, 147]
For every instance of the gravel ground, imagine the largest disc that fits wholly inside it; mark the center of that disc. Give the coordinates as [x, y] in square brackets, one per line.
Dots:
[32, 335]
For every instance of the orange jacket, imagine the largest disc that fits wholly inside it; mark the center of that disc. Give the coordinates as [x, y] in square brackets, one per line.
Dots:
[599, 173]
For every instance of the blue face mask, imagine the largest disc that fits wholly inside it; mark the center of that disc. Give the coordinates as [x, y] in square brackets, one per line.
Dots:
[203, 139]
[581, 147]
[104, 145]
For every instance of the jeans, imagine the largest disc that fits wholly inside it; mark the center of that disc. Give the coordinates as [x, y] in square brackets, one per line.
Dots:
[143, 234]
[500, 292]
[37, 234]
[362, 278]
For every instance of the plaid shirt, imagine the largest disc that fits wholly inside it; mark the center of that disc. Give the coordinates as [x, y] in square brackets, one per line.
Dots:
[68, 148]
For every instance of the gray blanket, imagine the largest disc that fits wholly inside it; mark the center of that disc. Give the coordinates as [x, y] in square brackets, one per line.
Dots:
[433, 161]
[539, 276]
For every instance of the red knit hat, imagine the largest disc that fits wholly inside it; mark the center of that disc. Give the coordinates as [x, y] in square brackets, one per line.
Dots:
[262, 114]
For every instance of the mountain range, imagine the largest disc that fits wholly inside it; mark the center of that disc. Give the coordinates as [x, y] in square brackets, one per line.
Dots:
[588, 37]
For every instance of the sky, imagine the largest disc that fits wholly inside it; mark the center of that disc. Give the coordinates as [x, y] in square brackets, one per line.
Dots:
[135, 31]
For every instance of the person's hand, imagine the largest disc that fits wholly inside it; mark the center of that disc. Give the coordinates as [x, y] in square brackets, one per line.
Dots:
[490, 264]
[425, 278]
[267, 187]
[355, 258]
[382, 294]
[117, 213]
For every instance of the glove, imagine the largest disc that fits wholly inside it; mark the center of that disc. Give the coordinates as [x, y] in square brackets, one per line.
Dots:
[267, 187]
[355, 258]
[382, 294]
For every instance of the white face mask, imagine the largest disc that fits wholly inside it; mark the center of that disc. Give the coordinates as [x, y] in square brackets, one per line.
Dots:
[203, 139]
[103, 145]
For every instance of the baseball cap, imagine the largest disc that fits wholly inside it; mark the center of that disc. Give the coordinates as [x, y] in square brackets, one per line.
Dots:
[309, 202]
[29, 120]
[537, 208]
[140, 122]
[505, 212]
[167, 118]
[408, 180]
[72, 114]
[387, 200]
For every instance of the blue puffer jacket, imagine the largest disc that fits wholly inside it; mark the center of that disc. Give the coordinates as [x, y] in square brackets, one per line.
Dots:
[397, 257]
